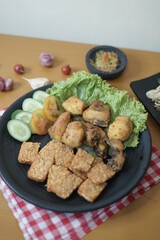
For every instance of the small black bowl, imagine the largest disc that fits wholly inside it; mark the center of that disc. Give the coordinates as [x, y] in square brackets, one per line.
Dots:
[106, 75]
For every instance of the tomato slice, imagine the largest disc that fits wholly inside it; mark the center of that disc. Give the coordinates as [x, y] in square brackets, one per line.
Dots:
[52, 108]
[39, 123]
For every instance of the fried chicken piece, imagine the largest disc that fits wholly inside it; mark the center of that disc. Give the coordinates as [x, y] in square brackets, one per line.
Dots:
[117, 156]
[89, 190]
[62, 182]
[115, 144]
[102, 147]
[116, 162]
[98, 114]
[74, 105]
[94, 136]
[120, 129]
[74, 134]
[57, 130]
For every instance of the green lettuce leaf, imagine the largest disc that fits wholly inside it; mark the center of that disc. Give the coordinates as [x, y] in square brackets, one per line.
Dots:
[89, 87]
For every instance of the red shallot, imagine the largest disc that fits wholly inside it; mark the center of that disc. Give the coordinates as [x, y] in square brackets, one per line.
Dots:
[2, 86]
[46, 59]
[8, 84]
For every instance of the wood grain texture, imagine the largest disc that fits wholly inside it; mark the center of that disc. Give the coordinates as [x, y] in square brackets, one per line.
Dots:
[139, 220]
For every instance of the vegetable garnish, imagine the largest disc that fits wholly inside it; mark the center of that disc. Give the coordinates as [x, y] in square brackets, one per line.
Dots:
[89, 87]
[19, 130]
[24, 122]
[30, 104]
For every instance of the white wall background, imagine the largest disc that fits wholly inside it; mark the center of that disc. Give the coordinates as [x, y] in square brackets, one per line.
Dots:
[123, 23]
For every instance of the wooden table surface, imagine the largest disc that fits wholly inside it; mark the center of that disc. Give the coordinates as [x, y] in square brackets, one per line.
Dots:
[139, 220]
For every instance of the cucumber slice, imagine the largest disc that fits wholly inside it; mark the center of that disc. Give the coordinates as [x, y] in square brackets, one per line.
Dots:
[19, 130]
[24, 117]
[40, 96]
[30, 104]
[13, 115]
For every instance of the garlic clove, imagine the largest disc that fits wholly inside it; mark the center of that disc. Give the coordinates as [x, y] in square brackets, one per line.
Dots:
[37, 82]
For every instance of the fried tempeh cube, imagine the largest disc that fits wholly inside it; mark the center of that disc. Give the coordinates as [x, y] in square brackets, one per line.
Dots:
[59, 127]
[100, 173]
[82, 175]
[96, 161]
[82, 161]
[28, 152]
[63, 155]
[74, 134]
[74, 105]
[39, 169]
[62, 182]
[89, 190]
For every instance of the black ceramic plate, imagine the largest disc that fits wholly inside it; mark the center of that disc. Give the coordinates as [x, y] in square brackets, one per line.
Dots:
[140, 87]
[15, 174]
[91, 54]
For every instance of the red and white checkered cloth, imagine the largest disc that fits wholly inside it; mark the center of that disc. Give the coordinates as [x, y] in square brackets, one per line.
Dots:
[38, 223]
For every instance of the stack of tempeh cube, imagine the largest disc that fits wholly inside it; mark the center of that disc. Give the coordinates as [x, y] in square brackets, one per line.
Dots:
[65, 171]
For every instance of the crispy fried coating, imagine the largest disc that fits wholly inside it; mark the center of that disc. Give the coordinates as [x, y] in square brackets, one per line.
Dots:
[74, 134]
[39, 169]
[116, 144]
[98, 114]
[82, 161]
[117, 155]
[116, 162]
[62, 182]
[74, 105]
[121, 128]
[28, 152]
[92, 134]
[100, 173]
[89, 190]
[63, 155]
[57, 130]
[102, 147]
